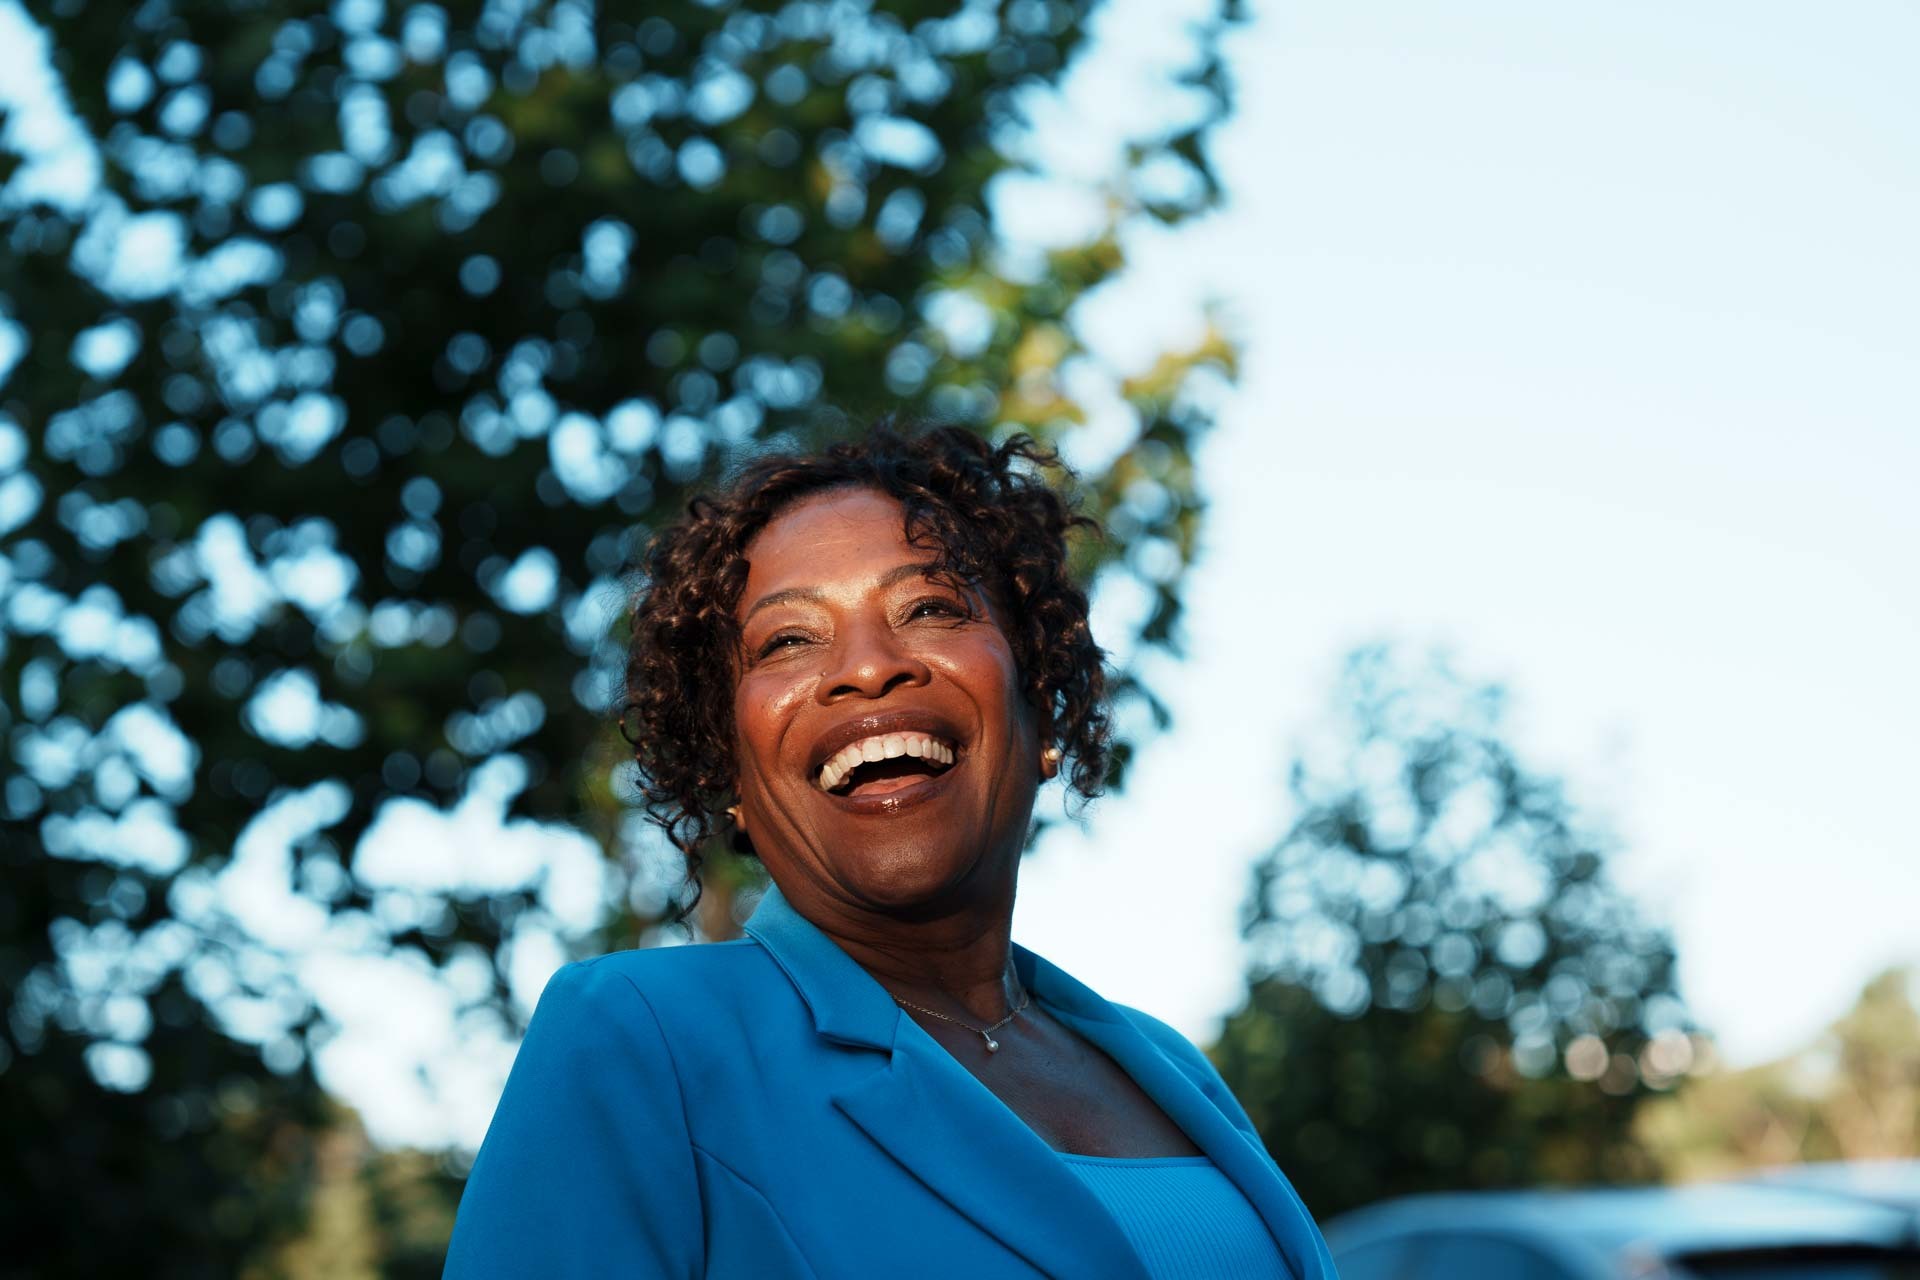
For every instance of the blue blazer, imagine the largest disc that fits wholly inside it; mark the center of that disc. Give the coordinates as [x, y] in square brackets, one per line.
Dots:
[761, 1108]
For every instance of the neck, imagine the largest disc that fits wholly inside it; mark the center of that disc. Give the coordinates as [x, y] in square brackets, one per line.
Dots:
[962, 972]
[953, 960]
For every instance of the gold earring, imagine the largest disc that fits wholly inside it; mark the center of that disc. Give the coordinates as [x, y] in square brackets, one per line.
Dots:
[1049, 762]
[733, 814]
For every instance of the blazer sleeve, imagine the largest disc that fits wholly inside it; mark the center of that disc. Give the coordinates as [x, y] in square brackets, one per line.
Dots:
[587, 1169]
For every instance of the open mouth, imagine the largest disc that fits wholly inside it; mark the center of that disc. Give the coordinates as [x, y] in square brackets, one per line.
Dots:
[883, 763]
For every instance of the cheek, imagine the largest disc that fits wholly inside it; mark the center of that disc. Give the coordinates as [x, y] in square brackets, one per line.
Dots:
[763, 708]
[990, 669]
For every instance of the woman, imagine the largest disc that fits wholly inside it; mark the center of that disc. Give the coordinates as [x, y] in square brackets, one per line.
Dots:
[868, 661]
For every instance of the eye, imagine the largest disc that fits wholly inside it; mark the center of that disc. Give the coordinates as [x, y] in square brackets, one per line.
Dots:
[934, 607]
[781, 640]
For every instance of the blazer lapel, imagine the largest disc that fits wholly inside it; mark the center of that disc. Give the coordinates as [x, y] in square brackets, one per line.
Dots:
[1236, 1155]
[937, 1121]
[964, 1144]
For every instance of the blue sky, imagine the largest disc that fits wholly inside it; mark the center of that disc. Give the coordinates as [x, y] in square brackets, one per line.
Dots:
[1579, 339]
[1582, 340]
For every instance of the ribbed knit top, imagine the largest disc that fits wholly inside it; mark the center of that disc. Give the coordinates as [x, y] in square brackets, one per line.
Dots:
[1184, 1217]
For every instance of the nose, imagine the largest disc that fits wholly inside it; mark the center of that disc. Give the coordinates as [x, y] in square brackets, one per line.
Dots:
[869, 662]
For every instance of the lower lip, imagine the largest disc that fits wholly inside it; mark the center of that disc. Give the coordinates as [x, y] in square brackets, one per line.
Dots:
[892, 802]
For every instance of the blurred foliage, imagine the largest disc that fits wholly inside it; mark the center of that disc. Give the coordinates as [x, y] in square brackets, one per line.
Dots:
[1852, 1095]
[1447, 992]
[336, 407]
[372, 1212]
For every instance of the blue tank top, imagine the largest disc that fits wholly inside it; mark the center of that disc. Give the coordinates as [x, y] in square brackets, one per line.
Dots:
[1185, 1219]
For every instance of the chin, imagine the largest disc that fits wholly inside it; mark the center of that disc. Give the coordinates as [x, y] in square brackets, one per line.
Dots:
[911, 879]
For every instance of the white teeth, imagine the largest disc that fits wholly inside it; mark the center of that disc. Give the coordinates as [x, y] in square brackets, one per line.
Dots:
[886, 746]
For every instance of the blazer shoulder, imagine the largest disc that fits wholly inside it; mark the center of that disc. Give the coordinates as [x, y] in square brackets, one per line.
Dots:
[1166, 1039]
[655, 964]
[1190, 1059]
[671, 978]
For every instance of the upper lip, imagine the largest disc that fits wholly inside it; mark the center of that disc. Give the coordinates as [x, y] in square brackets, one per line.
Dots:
[901, 721]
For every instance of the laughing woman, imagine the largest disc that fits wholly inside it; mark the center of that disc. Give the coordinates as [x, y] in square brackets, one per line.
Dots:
[865, 662]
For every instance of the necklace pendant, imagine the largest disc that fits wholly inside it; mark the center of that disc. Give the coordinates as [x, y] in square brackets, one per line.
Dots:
[993, 1046]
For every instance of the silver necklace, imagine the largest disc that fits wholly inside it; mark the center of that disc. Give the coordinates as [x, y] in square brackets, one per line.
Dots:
[985, 1033]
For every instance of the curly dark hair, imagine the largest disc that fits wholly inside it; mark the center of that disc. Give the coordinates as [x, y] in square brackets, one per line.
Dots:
[983, 509]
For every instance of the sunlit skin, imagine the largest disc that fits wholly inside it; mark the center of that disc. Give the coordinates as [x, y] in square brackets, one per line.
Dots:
[913, 876]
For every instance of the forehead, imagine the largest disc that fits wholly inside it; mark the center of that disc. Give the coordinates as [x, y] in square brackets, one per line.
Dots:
[838, 533]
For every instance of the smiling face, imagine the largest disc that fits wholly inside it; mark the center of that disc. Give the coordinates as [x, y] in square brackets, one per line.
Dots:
[887, 761]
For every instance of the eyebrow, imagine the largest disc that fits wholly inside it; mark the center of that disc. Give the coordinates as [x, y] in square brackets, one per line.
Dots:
[897, 574]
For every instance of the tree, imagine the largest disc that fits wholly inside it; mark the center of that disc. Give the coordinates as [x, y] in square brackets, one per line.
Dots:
[330, 415]
[1854, 1094]
[371, 1212]
[1447, 991]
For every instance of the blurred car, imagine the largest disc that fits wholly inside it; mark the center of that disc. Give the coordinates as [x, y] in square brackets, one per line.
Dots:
[1755, 1230]
[1895, 1183]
